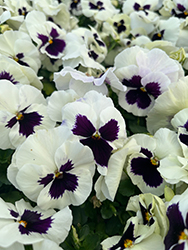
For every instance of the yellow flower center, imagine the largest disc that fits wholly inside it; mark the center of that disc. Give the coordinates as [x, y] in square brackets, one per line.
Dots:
[147, 216]
[143, 89]
[19, 116]
[23, 223]
[96, 136]
[128, 243]
[159, 35]
[59, 175]
[50, 41]
[183, 236]
[154, 161]
[186, 12]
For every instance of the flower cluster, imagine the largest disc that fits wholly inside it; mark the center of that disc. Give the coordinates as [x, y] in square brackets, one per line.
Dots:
[93, 124]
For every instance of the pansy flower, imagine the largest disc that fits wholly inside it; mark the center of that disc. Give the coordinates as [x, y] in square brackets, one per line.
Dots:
[23, 110]
[48, 36]
[21, 223]
[150, 210]
[177, 236]
[145, 77]
[98, 125]
[143, 166]
[11, 45]
[99, 10]
[135, 236]
[61, 169]
[18, 74]
[167, 30]
[18, 10]
[167, 105]
[117, 26]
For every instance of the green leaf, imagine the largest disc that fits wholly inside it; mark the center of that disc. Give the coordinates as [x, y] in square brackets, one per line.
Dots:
[106, 211]
[5, 155]
[28, 247]
[91, 242]
[84, 231]
[126, 188]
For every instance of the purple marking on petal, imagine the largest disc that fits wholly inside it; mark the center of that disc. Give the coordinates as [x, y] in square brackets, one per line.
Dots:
[7, 76]
[153, 88]
[146, 152]
[43, 38]
[110, 130]
[46, 180]
[186, 125]
[33, 223]
[27, 122]
[67, 166]
[176, 226]
[144, 211]
[136, 6]
[19, 56]
[128, 235]
[74, 4]
[64, 182]
[11, 122]
[134, 82]
[120, 26]
[98, 41]
[139, 97]
[83, 126]
[56, 47]
[146, 7]
[54, 33]
[148, 171]
[13, 213]
[184, 139]
[181, 7]
[101, 150]
[92, 54]
[99, 6]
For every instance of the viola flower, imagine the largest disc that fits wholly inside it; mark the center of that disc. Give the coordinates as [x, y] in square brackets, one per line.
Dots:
[11, 45]
[75, 7]
[27, 225]
[99, 10]
[48, 36]
[117, 26]
[164, 31]
[23, 110]
[180, 124]
[167, 105]
[180, 9]
[150, 210]
[98, 125]
[145, 77]
[143, 167]
[18, 74]
[61, 169]
[81, 83]
[19, 11]
[135, 236]
[177, 236]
